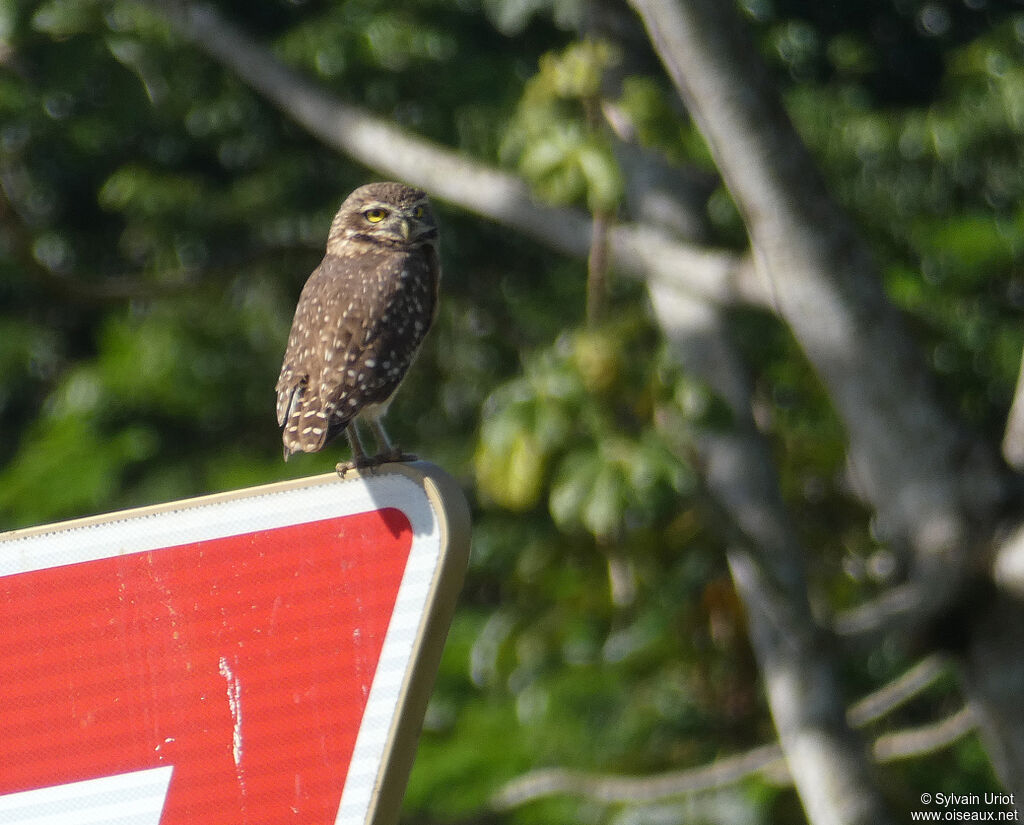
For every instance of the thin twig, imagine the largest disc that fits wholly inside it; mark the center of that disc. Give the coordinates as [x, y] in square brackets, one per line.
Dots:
[913, 742]
[597, 267]
[898, 692]
[610, 789]
[766, 761]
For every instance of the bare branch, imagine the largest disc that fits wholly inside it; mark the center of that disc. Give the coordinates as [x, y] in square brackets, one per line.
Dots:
[898, 692]
[610, 789]
[937, 490]
[597, 267]
[865, 623]
[825, 756]
[914, 742]
[715, 275]
[766, 761]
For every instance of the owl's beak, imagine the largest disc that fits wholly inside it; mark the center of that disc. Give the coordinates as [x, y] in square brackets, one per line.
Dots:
[404, 229]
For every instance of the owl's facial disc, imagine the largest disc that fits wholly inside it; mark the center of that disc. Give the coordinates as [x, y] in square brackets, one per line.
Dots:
[390, 214]
[403, 224]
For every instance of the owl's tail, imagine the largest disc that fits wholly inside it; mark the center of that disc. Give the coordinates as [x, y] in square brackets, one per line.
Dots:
[305, 422]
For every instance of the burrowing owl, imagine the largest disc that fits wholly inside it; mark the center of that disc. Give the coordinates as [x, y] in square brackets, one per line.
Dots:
[360, 320]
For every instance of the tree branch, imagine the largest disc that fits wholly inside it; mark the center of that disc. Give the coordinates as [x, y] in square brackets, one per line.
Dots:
[930, 485]
[896, 693]
[647, 252]
[611, 789]
[937, 491]
[766, 761]
[828, 761]
[914, 742]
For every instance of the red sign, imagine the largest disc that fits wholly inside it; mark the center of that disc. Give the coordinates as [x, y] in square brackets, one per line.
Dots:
[243, 662]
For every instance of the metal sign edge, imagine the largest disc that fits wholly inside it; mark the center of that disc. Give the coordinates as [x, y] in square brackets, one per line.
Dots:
[400, 750]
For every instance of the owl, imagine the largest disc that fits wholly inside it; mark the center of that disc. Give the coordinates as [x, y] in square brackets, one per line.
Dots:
[359, 323]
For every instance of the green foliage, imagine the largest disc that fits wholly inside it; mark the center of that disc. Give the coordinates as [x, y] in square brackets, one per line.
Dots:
[556, 139]
[577, 424]
[646, 102]
[939, 188]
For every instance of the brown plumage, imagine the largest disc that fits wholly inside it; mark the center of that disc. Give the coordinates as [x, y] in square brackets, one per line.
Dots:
[360, 320]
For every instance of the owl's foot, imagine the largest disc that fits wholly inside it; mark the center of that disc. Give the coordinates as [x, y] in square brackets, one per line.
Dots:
[363, 462]
[395, 454]
[360, 462]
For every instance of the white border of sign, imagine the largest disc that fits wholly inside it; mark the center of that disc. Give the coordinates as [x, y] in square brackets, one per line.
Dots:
[439, 516]
[135, 798]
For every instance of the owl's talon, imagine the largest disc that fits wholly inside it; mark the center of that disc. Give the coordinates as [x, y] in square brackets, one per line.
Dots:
[361, 462]
[343, 468]
[395, 456]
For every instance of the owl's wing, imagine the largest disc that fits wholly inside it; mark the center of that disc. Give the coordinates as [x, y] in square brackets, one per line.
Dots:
[303, 412]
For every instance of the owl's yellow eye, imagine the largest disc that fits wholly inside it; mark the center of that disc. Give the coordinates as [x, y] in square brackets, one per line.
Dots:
[417, 212]
[375, 215]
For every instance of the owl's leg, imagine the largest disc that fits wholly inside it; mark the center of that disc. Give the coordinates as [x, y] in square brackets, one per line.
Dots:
[359, 457]
[385, 449]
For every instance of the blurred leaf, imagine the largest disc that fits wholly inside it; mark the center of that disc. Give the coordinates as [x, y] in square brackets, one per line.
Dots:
[571, 487]
[555, 138]
[556, 416]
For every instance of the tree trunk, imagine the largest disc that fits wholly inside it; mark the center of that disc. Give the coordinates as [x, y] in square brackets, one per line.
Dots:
[827, 760]
[935, 490]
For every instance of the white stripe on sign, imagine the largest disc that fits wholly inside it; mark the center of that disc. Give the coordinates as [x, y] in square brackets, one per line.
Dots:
[135, 798]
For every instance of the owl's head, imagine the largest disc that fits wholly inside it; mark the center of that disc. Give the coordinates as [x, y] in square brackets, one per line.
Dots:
[387, 214]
